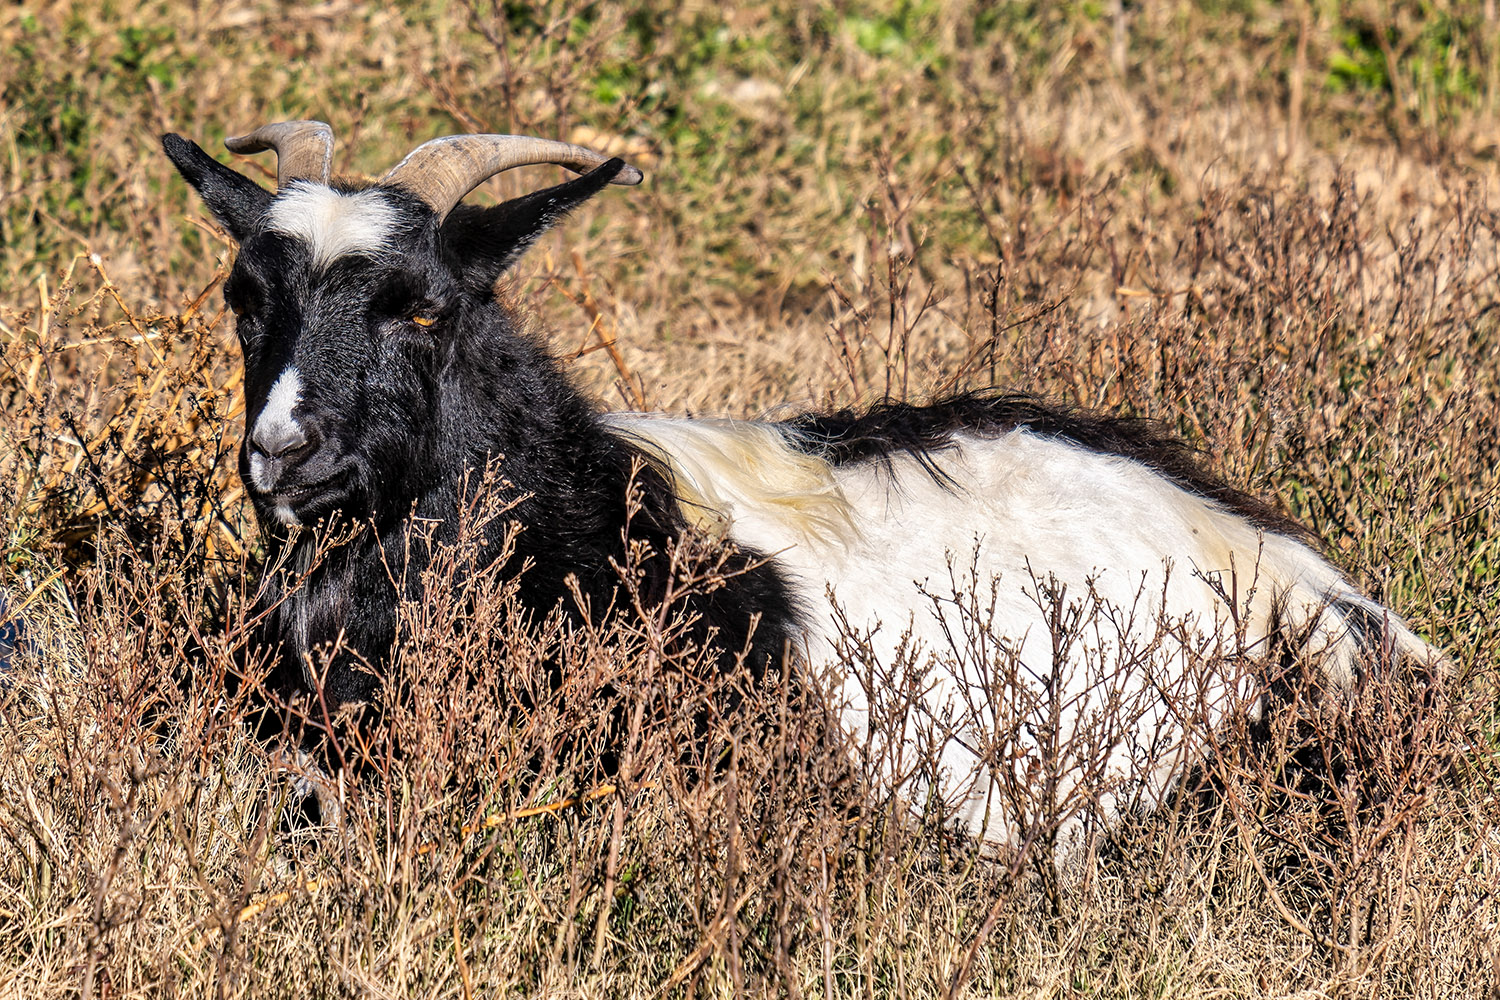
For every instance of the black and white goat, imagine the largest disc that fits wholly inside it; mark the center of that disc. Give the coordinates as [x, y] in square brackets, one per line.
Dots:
[380, 371]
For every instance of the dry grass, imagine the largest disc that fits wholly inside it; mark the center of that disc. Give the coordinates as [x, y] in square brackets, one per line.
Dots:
[1267, 225]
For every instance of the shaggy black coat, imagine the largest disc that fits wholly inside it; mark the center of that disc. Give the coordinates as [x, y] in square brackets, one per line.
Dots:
[402, 415]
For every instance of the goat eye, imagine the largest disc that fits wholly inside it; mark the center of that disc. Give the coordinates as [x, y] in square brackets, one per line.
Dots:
[423, 321]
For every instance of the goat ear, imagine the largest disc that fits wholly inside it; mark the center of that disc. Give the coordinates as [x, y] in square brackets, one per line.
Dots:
[486, 241]
[236, 200]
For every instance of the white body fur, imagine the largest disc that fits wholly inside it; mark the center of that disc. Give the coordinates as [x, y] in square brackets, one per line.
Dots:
[1166, 587]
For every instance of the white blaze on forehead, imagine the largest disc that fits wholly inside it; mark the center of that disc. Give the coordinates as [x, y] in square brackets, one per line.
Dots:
[276, 429]
[332, 223]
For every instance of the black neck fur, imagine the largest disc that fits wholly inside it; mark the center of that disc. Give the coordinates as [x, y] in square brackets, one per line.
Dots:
[502, 399]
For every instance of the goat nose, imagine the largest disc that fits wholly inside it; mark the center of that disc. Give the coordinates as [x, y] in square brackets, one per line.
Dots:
[279, 439]
[277, 431]
[276, 451]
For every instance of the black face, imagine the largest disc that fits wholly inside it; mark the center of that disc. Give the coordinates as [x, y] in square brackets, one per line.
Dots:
[344, 356]
[352, 309]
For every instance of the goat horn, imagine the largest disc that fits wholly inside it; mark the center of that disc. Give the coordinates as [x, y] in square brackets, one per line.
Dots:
[442, 171]
[304, 149]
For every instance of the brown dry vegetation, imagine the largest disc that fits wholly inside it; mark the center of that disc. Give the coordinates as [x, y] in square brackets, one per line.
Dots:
[1268, 225]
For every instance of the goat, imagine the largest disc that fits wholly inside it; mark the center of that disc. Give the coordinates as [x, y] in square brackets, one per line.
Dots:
[380, 371]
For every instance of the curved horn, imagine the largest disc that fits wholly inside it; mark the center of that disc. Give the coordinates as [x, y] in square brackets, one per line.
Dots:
[304, 149]
[442, 171]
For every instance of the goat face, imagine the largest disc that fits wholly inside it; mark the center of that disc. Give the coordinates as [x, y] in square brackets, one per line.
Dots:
[346, 314]
[353, 306]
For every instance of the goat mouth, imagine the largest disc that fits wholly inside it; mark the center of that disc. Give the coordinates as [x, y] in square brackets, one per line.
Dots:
[302, 502]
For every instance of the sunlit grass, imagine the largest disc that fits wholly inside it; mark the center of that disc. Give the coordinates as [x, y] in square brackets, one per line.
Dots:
[1266, 225]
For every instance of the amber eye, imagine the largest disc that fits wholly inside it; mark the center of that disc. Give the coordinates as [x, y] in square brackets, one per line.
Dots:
[423, 321]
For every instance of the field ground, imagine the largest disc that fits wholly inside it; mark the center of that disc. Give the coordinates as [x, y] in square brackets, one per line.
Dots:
[1268, 225]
